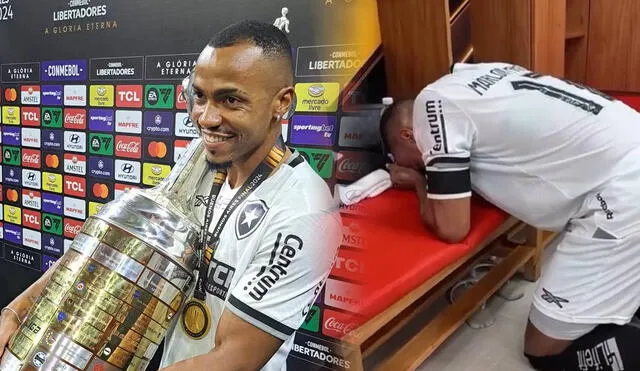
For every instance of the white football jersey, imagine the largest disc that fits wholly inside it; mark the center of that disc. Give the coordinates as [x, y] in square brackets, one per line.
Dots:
[274, 256]
[532, 145]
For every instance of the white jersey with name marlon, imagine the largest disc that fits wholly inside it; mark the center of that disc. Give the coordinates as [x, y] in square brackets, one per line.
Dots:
[534, 145]
[274, 256]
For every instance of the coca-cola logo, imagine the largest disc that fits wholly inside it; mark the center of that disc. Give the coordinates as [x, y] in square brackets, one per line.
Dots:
[76, 119]
[72, 229]
[128, 146]
[351, 166]
[32, 158]
[334, 325]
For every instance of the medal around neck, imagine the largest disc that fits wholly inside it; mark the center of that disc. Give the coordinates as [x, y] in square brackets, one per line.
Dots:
[121, 284]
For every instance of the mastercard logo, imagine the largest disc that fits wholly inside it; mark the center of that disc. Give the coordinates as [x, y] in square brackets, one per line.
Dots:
[12, 195]
[52, 161]
[100, 190]
[157, 149]
[11, 95]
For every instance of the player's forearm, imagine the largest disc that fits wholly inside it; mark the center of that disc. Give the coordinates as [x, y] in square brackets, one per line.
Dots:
[218, 359]
[426, 211]
[23, 302]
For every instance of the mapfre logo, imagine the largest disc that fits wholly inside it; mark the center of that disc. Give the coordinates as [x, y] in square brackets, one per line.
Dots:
[30, 116]
[129, 122]
[75, 208]
[31, 199]
[31, 219]
[31, 158]
[343, 295]
[127, 171]
[72, 227]
[75, 95]
[30, 137]
[75, 164]
[75, 186]
[128, 146]
[129, 96]
[75, 118]
[30, 94]
[31, 239]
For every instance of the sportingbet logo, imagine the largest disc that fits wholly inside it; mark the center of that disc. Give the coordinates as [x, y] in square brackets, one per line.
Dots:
[129, 96]
[11, 115]
[317, 97]
[320, 160]
[128, 146]
[75, 118]
[75, 186]
[75, 95]
[75, 141]
[31, 158]
[52, 203]
[129, 122]
[30, 94]
[52, 95]
[11, 136]
[313, 130]
[52, 117]
[31, 137]
[101, 120]
[30, 116]
[101, 144]
[101, 95]
[159, 96]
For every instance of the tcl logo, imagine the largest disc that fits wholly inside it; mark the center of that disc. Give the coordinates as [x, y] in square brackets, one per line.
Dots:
[75, 186]
[129, 96]
[30, 116]
[75, 118]
[128, 146]
[72, 227]
[348, 265]
[31, 219]
[338, 324]
[31, 158]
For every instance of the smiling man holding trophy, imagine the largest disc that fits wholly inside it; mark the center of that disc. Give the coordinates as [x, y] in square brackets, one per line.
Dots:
[224, 258]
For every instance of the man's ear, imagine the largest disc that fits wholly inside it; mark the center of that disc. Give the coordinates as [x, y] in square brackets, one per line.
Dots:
[407, 134]
[284, 102]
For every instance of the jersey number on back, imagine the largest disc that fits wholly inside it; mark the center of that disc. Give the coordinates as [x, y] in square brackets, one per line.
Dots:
[582, 102]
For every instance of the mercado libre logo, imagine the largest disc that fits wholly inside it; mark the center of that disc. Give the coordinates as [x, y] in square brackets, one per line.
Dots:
[80, 16]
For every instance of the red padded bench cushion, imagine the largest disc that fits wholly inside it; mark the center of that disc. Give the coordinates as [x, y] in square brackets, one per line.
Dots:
[400, 254]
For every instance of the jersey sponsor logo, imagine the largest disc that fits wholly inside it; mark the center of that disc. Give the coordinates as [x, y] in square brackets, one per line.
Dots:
[343, 295]
[52, 203]
[320, 160]
[31, 158]
[317, 97]
[75, 208]
[52, 244]
[11, 115]
[129, 122]
[12, 176]
[51, 117]
[75, 186]
[437, 129]
[31, 116]
[313, 130]
[353, 165]
[219, 279]
[30, 94]
[75, 141]
[184, 126]
[358, 132]
[250, 217]
[52, 139]
[52, 95]
[101, 95]
[101, 120]
[129, 96]
[101, 167]
[52, 224]
[73, 163]
[348, 265]
[75, 118]
[604, 206]
[31, 199]
[11, 136]
[31, 238]
[75, 95]
[12, 214]
[31, 138]
[31, 178]
[159, 96]
[283, 253]
[158, 123]
[128, 146]
[31, 219]
[482, 84]
[72, 227]
[127, 171]
[552, 299]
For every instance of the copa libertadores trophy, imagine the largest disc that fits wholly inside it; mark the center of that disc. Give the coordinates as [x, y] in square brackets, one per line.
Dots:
[122, 282]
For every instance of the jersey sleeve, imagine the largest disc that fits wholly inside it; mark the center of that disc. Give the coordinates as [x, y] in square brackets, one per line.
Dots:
[288, 271]
[444, 135]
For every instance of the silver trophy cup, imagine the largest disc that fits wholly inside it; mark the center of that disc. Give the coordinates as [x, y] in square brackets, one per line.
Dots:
[121, 284]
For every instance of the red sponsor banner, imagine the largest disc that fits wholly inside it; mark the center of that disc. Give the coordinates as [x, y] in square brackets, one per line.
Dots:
[31, 158]
[72, 227]
[337, 324]
[31, 219]
[129, 96]
[353, 165]
[75, 118]
[181, 103]
[120, 188]
[128, 146]
[30, 116]
[75, 186]
[348, 265]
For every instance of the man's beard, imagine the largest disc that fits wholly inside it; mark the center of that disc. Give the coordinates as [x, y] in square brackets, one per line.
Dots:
[213, 166]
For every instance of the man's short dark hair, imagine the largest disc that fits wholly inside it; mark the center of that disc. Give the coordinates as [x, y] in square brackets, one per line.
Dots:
[269, 38]
[388, 114]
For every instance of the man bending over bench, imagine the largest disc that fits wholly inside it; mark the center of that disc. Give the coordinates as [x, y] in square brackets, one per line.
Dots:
[556, 155]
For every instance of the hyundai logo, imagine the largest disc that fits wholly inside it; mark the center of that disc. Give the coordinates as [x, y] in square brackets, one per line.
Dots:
[187, 122]
[75, 138]
[127, 168]
[31, 176]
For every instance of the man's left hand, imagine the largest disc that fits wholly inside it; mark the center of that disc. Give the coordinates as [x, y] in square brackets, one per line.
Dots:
[404, 177]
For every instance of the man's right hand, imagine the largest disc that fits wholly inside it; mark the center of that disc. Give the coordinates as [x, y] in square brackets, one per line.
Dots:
[8, 326]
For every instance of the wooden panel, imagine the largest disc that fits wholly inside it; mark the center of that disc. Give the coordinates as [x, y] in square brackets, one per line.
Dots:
[461, 34]
[577, 18]
[416, 42]
[614, 45]
[501, 31]
[575, 63]
[548, 36]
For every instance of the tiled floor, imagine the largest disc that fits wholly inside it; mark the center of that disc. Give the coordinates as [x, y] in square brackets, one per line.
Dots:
[496, 348]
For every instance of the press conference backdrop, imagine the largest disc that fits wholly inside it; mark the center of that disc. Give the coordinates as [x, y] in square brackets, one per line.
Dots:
[90, 107]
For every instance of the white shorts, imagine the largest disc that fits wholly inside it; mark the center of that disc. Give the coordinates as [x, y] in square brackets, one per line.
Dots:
[594, 276]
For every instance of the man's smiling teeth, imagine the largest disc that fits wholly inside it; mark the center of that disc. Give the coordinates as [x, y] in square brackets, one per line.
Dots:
[212, 138]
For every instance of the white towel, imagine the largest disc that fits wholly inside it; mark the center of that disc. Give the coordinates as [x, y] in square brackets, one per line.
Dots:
[371, 185]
